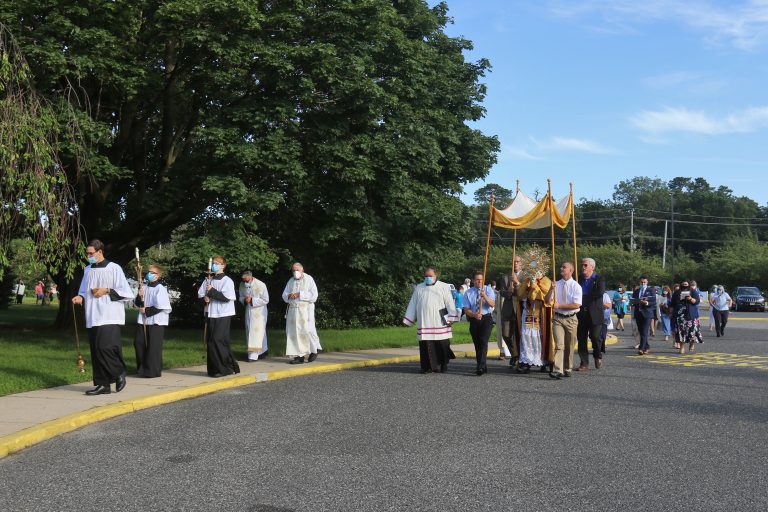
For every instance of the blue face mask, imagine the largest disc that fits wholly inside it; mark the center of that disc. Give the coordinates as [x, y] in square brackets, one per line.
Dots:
[429, 280]
[151, 276]
[215, 267]
[91, 259]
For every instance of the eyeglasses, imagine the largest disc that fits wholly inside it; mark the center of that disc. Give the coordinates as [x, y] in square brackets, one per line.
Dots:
[585, 264]
[90, 253]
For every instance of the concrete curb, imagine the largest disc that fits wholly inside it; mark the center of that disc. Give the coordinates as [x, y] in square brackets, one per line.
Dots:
[33, 435]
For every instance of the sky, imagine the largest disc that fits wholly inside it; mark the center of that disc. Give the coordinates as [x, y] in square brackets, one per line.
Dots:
[599, 91]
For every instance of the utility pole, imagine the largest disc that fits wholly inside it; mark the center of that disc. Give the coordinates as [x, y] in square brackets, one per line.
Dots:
[632, 230]
[664, 252]
[672, 240]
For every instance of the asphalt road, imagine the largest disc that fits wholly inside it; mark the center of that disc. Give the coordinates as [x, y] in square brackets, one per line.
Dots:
[640, 434]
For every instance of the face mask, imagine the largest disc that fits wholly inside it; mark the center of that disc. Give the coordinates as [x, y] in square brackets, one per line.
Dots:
[91, 259]
[215, 268]
[248, 284]
[429, 280]
[297, 274]
[151, 276]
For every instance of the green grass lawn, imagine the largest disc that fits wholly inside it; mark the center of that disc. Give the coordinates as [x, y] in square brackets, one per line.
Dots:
[35, 355]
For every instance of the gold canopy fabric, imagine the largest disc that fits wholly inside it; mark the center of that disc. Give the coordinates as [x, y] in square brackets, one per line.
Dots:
[526, 213]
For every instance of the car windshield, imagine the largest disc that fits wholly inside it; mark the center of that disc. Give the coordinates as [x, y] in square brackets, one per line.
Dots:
[748, 290]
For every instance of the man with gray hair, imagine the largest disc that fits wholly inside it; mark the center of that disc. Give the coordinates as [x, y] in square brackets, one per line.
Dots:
[590, 315]
[301, 294]
[254, 297]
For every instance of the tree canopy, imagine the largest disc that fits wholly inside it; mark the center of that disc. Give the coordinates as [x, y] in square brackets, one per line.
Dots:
[333, 132]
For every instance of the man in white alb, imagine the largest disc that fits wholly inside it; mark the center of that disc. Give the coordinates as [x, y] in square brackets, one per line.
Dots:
[254, 297]
[301, 294]
[564, 322]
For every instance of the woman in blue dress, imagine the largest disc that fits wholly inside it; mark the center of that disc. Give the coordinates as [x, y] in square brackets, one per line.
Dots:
[621, 305]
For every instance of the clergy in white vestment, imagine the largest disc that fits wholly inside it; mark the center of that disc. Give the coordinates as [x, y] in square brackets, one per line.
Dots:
[433, 310]
[154, 311]
[102, 293]
[219, 295]
[254, 297]
[300, 294]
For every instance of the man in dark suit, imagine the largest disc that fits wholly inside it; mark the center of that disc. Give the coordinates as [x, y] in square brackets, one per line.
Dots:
[644, 302]
[590, 315]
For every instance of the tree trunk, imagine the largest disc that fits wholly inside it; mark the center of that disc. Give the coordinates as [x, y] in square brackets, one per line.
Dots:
[67, 290]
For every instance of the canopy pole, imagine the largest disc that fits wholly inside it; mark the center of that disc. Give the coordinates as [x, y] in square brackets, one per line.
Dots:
[552, 228]
[514, 249]
[487, 247]
[514, 235]
[573, 222]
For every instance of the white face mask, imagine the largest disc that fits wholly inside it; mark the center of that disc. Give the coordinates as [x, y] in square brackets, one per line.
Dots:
[297, 274]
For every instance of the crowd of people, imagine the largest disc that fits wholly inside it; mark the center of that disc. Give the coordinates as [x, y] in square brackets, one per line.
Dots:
[104, 291]
[576, 309]
[539, 323]
[43, 295]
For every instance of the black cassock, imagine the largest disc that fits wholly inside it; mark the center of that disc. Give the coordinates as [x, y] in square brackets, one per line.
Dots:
[149, 352]
[106, 354]
[220, 358]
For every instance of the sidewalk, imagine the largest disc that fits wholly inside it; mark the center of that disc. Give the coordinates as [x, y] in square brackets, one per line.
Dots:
[34, 416]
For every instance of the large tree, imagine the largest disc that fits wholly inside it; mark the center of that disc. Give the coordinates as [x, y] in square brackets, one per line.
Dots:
[331, 131]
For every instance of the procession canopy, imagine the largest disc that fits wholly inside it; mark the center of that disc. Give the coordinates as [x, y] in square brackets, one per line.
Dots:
[526, 213]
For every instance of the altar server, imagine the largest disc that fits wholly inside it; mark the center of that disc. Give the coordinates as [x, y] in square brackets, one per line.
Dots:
[102, 293]
[154, 309]
[218, 293]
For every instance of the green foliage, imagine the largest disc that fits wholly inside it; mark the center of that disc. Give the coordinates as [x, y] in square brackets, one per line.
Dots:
[36, 200]
[503, 196]
[339, 127]
[741, 262]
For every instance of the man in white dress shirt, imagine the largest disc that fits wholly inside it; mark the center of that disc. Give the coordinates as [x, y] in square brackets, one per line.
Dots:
[564, 322]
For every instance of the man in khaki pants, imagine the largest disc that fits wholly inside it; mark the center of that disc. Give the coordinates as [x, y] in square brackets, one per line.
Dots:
[564, 322]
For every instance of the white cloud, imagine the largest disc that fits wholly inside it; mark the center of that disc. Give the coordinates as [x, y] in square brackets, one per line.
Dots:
[673, 79]
[744, 24]
[684, 120]
[517, 153]
[572, 144]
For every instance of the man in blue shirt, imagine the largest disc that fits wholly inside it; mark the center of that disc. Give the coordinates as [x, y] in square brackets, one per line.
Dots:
[480, 322]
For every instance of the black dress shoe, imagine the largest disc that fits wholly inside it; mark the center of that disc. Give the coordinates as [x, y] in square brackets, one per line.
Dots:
[120, 383]
[479, 371]
[99, 390]
[554, 375]
[297, 360]
[312, 357]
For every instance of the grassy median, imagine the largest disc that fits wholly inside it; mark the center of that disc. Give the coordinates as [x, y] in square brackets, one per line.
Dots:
[35, 355]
